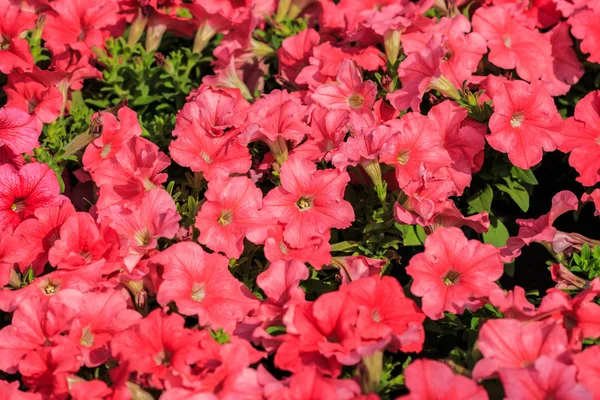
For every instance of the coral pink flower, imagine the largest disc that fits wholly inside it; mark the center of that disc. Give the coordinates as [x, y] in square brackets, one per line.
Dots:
[133, 171]
[201, 284]
[99, 317]
[309, 202]
[509, 343]
[230, 214]
[276, 248]
[593, 197]
[82, 242]
[453, 273]
[419, 73]
[14, 50]
[10, 253]
[77, 25]
[42, 101]
[463, 138]
[513, 44]
[357, 267]
[281, 284]
[294, 53]
[525, 123]
[416, 143]
[113, 136]
[582, 139]
[159, 345]
[140, 224]
[10, 391]
[548, 379]
[18, 130]
[432, 380]
[215, 156]
[588, 369]
[274, 119]
[40, 232]
[35, 323]
[307, 384]
[566, 67]
[328, 129]
[385, 312]
[320, 334]
[349, 92]
[23, 191]
[216, 110]
[584, 26]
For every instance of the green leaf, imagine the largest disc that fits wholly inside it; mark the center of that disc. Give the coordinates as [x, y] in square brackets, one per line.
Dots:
[482, 201]
[517, 192]
[409, 235]
[345, 247]
[497, 234]
[523, 175]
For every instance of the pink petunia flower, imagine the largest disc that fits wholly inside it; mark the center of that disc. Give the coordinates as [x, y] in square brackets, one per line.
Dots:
[349, 92]
[42, 101]
[201, 284]
[99, 317]
[588, 369]
[22, 192]
[433, 380]
[593, 197]
[40, 232]
[82, 243]
[416, 143]
[385, 312]
[276, 248]
[115, 133]
[133, 171]
[513, 44]
[232, 212]
[139, 225]
[294, 53]
[547, 379]
[18, 130]
[582, 139]
[584, 27]
[274, 119]
[158, 345]
[525, 123]
[14, 49]
[509, 343]
[453, 274]
[328, 129]
[309, 202]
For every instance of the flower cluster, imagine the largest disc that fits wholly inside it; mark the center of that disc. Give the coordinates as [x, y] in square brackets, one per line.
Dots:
[265, 241]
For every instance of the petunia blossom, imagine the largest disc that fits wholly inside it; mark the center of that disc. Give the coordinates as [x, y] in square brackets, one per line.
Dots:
[22, 192]
[349, 92]
[525, 123]
[582, 139]
[309, 202]
[453, 274]
[18, 130]
[200, 284]
[232, 212]
[432, 380]
[509, 343]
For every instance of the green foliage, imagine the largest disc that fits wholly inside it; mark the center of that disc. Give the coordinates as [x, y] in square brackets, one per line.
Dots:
[587, 262]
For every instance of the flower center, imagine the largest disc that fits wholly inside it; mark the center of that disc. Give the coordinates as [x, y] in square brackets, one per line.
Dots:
[163, 357]
[18, 206]
[304, 203]
[451, 278]
[403, 157]
[517, 119]
[225, 218]
[507, 41]
[87, 337]
[49, 289]
[105, 151]
[143, 237]
[356, 101]
[198, 292]
[376, 316]
[206, 157]
[148, 184]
